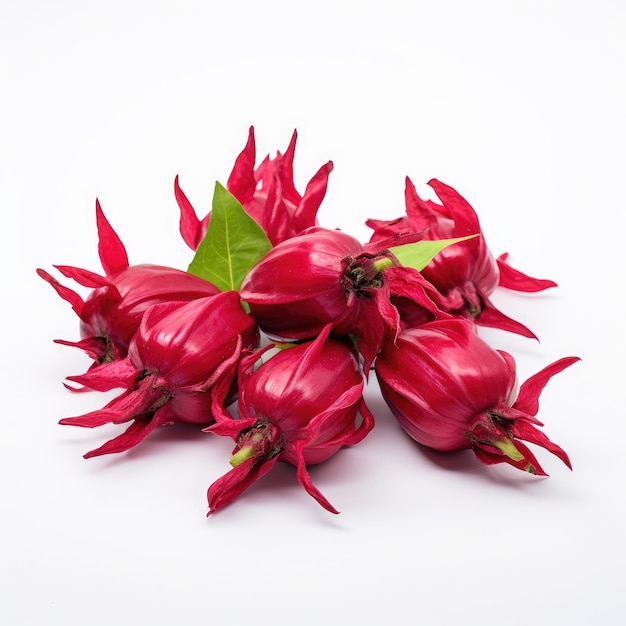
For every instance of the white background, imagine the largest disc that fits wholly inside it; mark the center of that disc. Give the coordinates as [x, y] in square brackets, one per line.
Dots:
[520, 105]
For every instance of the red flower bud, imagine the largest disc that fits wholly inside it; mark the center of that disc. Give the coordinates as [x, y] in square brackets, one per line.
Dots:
[465, 273]
[450, 390]
[113, 310]
[267, 194]
[179, 352]
[327, 277]
[300, 407]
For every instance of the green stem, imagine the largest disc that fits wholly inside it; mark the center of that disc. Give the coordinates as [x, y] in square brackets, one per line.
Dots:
[243, 454]
[507, 447]
[382, 263]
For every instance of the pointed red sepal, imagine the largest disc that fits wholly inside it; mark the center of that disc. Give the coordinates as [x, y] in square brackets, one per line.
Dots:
[370, 328]
[219, 392]
[133, 435]
[529, 392]
[275, 218]
[84, 277]
[310, 356]
[493, 441]
[94, 347]
[527, 462]
[110, 247]
[146, 398]
[76, 302]
[305, 480]
[508, 412]
[526, 431]
[107, 376]
[241, 182]
[391, 239]
[306, 212]
[94, 419]
[227, 426]
[285, 170]
[146, 405]
[511, 278]
[465, 218]
[230, 486]
[421, 214]
[407, 282]
[388, 229]
[191, 228]
[492, 317]
[76, 389]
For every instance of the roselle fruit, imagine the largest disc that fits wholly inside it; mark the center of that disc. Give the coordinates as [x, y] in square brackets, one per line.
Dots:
[326, 277]
[465, 273]
[449, 390]
[300, 406]
[111, 314]
[267, 193]
[180, 350]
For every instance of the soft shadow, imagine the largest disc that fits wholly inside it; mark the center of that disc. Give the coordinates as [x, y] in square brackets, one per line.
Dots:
[464, 461]
[280, 486]
[157, 443]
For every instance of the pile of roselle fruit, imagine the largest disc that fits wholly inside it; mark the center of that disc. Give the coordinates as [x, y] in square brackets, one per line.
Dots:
[270, 336]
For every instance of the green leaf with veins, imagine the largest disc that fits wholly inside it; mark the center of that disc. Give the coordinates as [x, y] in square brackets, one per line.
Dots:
[234, 243]
[419, 254]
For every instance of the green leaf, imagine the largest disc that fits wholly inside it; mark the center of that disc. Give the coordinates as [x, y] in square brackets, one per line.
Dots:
[418, 255]
[234, 243]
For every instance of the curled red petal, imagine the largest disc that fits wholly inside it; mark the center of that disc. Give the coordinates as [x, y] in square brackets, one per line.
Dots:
[225, 370]
[511, 278]
[409, 283]
[347, 399]
[388, 229]
[364, 428]
[110, 247]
